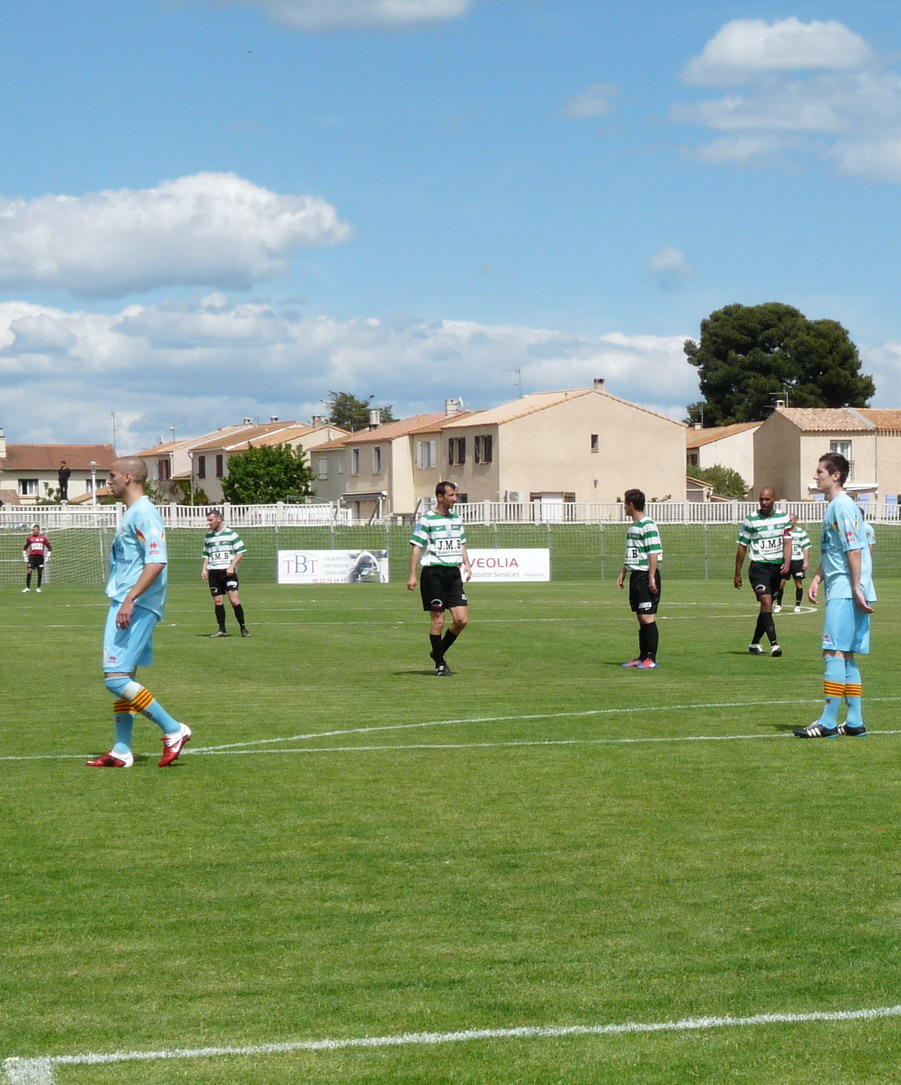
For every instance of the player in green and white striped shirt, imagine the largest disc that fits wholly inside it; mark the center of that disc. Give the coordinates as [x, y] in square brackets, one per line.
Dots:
[644, 553]
[799, 566]
[439, 543]
[766, 536]
[223, 551]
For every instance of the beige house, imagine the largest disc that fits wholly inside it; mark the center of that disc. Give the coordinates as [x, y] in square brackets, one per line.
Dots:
[788, 445]
[582, 445]
[374, 472]
[724, 446]
[30, 473]
[169, 463]
[209, 459]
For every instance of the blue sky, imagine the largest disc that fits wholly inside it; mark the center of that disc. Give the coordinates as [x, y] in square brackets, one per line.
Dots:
[218, 210]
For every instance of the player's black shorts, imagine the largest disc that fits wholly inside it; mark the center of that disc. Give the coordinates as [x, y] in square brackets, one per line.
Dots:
[765, 577]
[35, 561]
[797, 569]
[441, 587]
[221, 581]
[641, 599]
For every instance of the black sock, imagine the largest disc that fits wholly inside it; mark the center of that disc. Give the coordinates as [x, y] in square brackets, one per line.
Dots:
[642, 641]
[220, 616]
[437, 654]
[448, 640]
[799, 595]
[651, 640]
[770, 628]
[759, 629]
[239, 614]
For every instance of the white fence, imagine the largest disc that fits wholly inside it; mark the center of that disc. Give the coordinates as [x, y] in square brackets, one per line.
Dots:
[58, 518]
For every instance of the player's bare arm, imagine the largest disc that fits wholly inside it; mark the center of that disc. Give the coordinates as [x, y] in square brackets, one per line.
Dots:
[416, 553]
[147, 577]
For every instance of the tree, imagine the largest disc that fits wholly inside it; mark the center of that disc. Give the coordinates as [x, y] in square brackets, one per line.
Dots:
[749, 356]
[349, 412]
[261, 476]
[726, 481]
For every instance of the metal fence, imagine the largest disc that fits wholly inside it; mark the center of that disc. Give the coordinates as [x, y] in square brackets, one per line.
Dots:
[579, 551]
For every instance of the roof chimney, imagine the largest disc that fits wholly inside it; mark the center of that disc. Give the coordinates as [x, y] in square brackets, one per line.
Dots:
[273, 418]
[780, 403]
[375, 418]
[453, 406]
[318, 420]
[248, 421]
[599, 384]
[2, 444]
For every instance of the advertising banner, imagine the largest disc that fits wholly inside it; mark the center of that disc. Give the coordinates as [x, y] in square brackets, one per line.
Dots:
[333, 566]
[509, 566]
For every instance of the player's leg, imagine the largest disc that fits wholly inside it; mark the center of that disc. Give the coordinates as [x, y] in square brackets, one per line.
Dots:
[235, 600]
[838, 639]
[124, 650]
[432, 595]
[648, 638]
[218, 594]
[854, 724]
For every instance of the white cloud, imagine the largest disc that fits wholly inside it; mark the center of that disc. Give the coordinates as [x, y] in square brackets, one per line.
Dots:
[877, 160]
[757, 148]
[596, 101]
[747, 48]
[813, 92]
[210, 361]
[324, 15]
[670, 268]
[209, 228]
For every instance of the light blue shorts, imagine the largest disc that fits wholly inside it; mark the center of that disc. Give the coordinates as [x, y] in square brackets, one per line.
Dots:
[847, 628]
[124, 650]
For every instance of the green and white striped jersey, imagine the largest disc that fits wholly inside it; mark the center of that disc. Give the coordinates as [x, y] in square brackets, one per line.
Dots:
[220, 548]
[642, 540]
[800, 543]
[442, 539]
[764, 535]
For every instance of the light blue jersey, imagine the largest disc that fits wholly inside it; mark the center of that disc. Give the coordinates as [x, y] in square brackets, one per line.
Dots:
[843, 531]
[140, 541]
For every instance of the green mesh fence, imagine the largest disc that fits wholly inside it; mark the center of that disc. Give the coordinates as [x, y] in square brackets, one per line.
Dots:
[578, 551]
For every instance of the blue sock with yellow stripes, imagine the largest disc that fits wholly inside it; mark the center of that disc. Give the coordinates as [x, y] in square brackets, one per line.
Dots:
[834, 690]
[853, 693]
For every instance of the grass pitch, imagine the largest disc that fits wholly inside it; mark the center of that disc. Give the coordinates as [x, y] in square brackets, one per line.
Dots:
[351, 849]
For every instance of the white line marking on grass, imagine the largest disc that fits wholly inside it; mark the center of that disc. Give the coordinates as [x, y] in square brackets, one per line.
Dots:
[39, 1071]
[497, 745]
[509, 719]
[311, 735]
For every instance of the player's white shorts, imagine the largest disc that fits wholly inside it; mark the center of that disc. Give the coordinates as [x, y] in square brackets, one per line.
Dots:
[847, 627]
[124, 650]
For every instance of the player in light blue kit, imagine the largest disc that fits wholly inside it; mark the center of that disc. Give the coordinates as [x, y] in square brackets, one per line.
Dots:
[847, 569]
[137, 592]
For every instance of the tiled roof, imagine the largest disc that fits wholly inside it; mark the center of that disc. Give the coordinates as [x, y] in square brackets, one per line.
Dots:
[188, 442]
[390, 431]
[695, 438]
[843, 419]
[540, 401]
[239, 437]
[47, 457]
